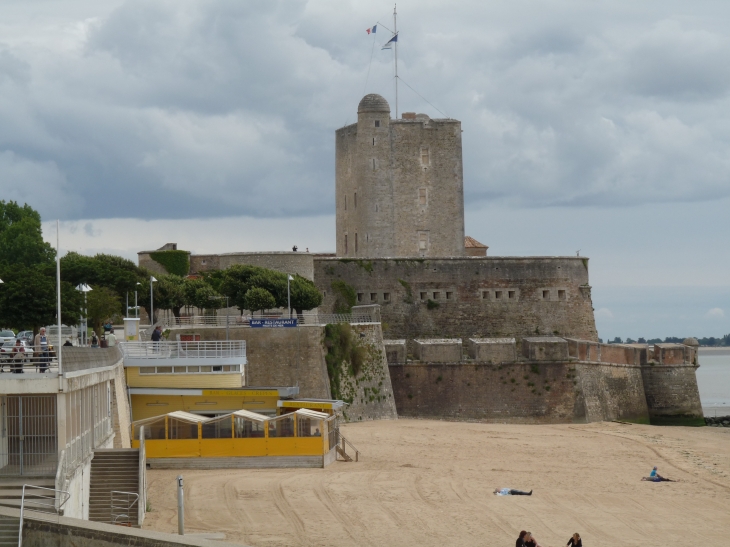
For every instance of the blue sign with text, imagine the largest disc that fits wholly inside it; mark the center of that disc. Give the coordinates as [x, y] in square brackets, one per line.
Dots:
[272, 323]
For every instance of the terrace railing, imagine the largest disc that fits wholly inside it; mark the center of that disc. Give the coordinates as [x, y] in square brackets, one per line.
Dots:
[184, 350]
[245, 320]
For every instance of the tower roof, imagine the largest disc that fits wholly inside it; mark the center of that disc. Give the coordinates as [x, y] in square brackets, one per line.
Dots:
[471, 243]
[373, 103]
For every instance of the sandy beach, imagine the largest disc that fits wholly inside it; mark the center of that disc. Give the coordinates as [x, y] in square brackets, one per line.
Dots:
[429, 483]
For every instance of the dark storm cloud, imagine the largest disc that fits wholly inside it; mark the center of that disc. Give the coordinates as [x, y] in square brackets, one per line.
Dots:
[162, 109]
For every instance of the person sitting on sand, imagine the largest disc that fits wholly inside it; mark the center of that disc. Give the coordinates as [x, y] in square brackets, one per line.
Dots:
[511, 492]
[656, 477]
[530, 541]
[521, 539]
[575, 541]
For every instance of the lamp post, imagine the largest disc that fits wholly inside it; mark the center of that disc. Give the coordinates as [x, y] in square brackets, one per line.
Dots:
[84, 288]
[220, 298]
[288, 293]
[136, 307]
[152, 301]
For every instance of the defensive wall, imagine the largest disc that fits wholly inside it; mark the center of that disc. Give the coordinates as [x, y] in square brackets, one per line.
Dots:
[551, 380]
[465, 297]
[297, 357]
[286, 262]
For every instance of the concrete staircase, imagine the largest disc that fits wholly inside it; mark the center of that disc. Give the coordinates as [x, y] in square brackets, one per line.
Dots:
[11, 492]
[113, 469]
[9, 528]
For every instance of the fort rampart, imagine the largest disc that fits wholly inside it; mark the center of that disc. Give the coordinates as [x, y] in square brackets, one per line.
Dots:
[466, 297]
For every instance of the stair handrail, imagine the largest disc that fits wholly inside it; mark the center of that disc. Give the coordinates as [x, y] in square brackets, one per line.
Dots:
[124, 509]
[142, 478]
[344, 440]
[52, 503]
[61, 478]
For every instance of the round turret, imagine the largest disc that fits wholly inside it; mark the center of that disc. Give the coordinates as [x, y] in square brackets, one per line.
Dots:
[373, 103]
[691, 342]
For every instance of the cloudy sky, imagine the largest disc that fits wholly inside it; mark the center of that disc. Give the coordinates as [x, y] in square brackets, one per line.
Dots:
[593, 126]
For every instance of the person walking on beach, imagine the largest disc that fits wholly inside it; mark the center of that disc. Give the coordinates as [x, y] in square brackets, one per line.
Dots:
[575, 541]
[521, 540]
[511, 492]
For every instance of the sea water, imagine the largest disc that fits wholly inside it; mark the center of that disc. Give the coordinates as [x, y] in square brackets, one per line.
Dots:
[713, 380]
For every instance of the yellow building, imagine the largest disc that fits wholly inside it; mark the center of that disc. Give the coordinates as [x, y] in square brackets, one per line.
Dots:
[203, 378]
[304, 438]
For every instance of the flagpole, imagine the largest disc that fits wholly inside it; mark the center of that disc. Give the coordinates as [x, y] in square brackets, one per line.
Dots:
[395, 33]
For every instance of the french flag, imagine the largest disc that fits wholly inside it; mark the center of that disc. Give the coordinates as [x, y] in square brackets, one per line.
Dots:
[372, 29]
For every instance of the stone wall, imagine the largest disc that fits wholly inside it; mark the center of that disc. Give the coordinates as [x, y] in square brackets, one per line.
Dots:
[286, 262]
[279, 357]
[370, 393]
[672, 394]
[469, 296]
[521, 392]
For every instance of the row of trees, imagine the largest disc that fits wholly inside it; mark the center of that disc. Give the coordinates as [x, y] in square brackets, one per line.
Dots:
[707, 341]
[28, 294]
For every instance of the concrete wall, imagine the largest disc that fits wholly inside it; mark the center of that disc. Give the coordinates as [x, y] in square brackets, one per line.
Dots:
[492, 350]
[672, 394]
[75, 359]
[121, 414]
[523, 392]
[79, 486]
[438, 350]
[287, 262]
[395, 180]
[279, 357]
[550, 296]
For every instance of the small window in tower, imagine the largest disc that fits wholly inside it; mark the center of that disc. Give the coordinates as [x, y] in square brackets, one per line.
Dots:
[386, 297]
[345, 203]
[485, 295]
[422, 241]
[424, 295]
[498, 295]
[561, 295]
[425, 160]
[422, 196]
[373, 297]
[377, 123]
[356, 242]
[373, 141]
[373, 164]
[546, 295]
[355, 200]
[436, 295]
[359, 296]
[376, 207]
[449, 295]
[345, 243]
[511, 294]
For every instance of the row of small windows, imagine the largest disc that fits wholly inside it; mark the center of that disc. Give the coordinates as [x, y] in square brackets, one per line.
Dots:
[491, 295]
[190, 369]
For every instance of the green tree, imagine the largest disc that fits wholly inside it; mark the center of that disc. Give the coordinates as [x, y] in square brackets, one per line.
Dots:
[114, 272]
[21, 240]
[304, 294]
[28, 298]
[170, 293]
[103, 303]
[200, 294]
[257, 299]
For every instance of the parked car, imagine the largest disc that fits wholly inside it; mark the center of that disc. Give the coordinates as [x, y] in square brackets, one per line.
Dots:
[26, 336]
[7, 338]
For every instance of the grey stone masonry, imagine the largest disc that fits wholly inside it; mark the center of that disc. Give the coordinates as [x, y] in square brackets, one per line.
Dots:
[545, 348]
[395, 351]
[442, 350]
[492, 350]
[399, 185]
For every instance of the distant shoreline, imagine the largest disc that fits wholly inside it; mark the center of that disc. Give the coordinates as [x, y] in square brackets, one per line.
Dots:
[715, 351]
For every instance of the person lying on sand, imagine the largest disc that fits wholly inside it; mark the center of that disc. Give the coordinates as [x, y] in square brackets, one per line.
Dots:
[511, 492]
[575, 541]
[656, 477]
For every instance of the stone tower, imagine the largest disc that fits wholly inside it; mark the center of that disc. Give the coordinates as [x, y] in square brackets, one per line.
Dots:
[399, 185]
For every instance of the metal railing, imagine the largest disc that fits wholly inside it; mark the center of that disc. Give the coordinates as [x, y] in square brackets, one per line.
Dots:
[121, 507]
[28, 360]
[44, 501]
[343, 442]
[142, 482]
[184, 350]
[29, 426]
[245, 320]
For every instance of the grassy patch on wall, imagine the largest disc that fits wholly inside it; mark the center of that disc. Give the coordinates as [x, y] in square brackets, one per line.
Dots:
[344, 356]
[346, 296]
[409, 293]
[175, 262]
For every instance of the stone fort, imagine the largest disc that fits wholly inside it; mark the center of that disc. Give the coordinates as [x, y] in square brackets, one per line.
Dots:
[400, 244]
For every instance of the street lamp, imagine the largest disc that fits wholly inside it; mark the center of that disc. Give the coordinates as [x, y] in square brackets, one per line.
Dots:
[136, 307]
[152, 301]
[220, 298]
[288, 294]
[84, 288]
